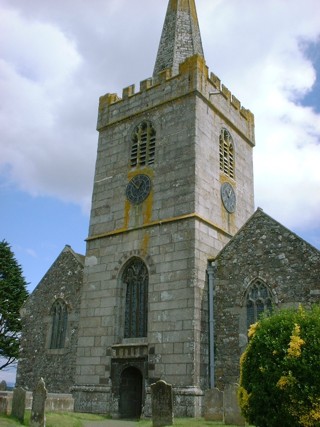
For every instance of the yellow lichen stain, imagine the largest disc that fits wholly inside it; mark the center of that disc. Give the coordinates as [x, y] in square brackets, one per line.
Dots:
[184, 6]
[145, 243]
[147, 204]
[127, 207]
[194, 63]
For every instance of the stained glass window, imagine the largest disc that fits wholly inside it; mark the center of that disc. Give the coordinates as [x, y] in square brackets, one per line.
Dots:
[136, 280]
[259, 300]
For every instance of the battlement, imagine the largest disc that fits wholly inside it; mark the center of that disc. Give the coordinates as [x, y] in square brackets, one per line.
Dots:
[193, 76]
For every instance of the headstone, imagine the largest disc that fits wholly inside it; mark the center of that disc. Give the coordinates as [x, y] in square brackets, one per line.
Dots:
[18, 404]
[3, 385]
[3, 404]
[162, 404]
[38, 405]
[232, 413]
[213, 405]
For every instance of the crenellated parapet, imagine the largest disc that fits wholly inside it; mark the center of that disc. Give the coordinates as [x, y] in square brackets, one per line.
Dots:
[165, 87]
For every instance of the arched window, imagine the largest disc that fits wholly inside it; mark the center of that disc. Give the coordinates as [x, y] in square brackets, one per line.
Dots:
[136, 309]
[259, 300]
[143, 145]
[59, 324]
[226, 152]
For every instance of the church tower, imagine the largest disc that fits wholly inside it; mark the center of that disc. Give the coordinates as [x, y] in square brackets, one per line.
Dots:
[173, 183]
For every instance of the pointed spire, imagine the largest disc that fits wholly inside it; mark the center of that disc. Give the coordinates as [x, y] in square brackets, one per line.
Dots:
[180, 37]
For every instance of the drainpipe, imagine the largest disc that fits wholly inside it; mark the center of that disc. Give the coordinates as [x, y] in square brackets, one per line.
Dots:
[211, 273]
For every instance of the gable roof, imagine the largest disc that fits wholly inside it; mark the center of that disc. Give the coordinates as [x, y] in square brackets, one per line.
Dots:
[262, 228]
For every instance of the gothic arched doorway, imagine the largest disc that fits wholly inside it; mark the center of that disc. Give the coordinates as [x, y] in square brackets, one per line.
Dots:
[131, 393]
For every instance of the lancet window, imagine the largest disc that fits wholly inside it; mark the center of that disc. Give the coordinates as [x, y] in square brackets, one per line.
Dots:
[59, 313]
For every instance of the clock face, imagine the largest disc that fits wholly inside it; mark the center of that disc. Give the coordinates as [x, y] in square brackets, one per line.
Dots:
[228, 197]
[138, 189]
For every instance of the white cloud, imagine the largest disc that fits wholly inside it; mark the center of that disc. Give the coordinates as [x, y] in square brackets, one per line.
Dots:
[61, 56]
[38, 70]
[259, 52]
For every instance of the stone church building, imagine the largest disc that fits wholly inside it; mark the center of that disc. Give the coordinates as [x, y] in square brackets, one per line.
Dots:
[178, 264]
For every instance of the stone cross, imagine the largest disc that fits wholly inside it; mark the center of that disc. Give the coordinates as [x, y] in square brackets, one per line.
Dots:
[18, 404]
[38, 405]
[162, 404]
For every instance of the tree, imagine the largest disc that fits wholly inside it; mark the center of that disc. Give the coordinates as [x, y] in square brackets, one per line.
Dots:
[13, 294]
[279, 382]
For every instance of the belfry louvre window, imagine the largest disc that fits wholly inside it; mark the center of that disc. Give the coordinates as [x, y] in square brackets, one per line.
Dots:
[59, 324]
[136, 309]
[226, 153]
[143, 146]
[259, 300]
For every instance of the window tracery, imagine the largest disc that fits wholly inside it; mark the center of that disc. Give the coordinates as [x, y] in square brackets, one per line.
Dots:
[136, 314]
[258, 301]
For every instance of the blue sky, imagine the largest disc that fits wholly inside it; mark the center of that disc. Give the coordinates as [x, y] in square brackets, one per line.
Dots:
[59, 57]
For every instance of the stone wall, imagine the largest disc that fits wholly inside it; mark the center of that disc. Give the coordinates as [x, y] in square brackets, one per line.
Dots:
[56, 366]
[267, 251]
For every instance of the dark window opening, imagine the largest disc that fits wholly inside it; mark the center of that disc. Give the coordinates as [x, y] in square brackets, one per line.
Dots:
[59, 324]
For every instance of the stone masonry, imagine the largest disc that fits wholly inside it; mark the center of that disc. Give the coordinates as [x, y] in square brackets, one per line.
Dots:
[56, 366]
[174, 231]
[267, 251]
[176, 45]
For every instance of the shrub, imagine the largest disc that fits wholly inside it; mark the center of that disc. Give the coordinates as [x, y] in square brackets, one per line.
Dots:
[280, 381]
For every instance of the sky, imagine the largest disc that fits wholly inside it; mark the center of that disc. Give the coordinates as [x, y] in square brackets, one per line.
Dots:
[58, 57]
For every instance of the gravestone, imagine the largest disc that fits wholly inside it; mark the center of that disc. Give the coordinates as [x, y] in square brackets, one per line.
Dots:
[232, 413]
[3, 385]
[213, 405]
[162, 404]
[18, 404]
[38, 405]
[3, 404]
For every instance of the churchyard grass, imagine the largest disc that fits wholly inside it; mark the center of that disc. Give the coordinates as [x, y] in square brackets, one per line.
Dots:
[187, 422]
[57, 419]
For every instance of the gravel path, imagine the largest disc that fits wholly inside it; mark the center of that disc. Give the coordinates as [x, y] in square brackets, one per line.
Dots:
[110, 423]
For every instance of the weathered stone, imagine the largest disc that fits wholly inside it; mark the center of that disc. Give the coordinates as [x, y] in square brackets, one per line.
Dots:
[264, 252]
[3, 385]
[213, 405]
[180, 36]
[38, 405]
[232, 413]
[18, 404]
[3, 404]
[62, 282]
[162, 404]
